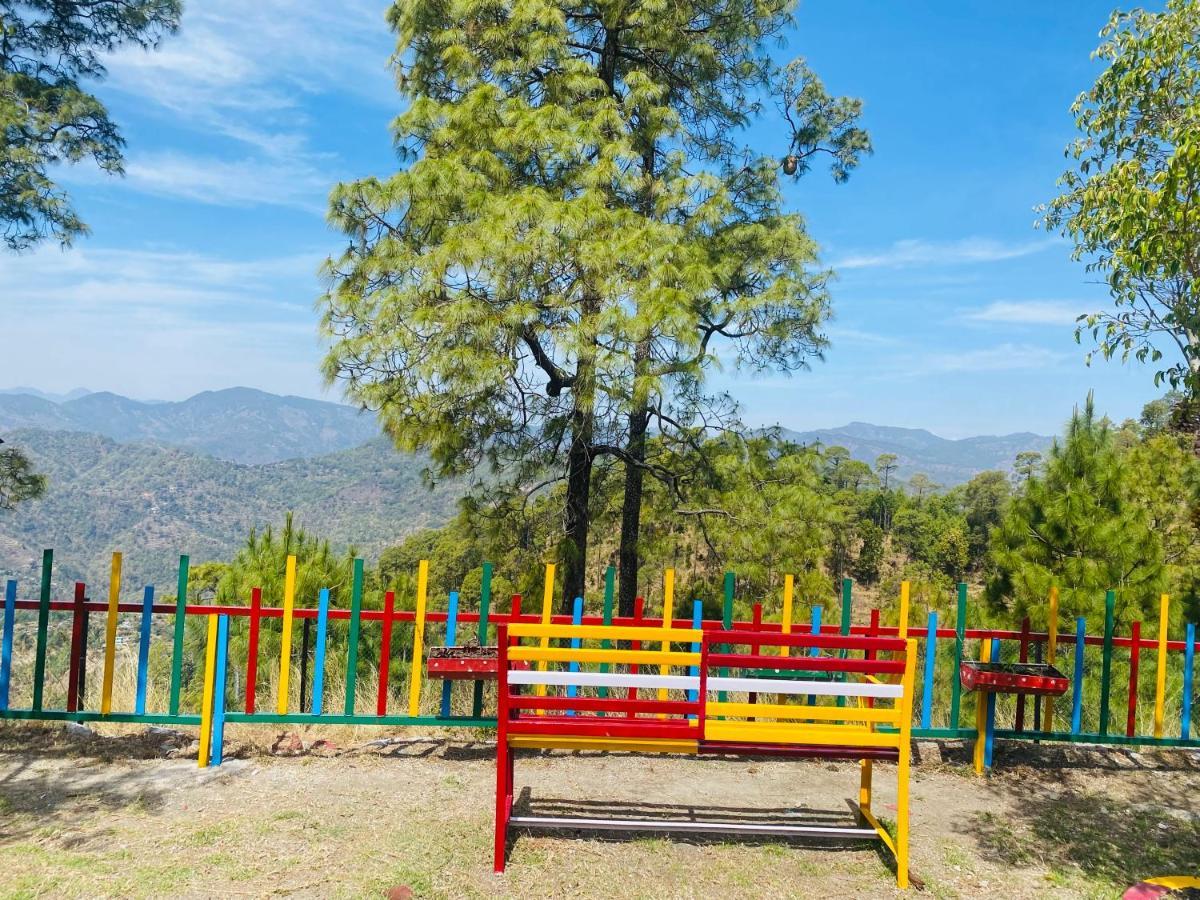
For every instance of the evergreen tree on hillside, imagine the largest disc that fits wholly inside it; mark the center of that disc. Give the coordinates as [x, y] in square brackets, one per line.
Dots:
[1076, 527]
[18, 480]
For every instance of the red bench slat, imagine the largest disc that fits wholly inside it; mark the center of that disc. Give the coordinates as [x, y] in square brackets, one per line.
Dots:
[822, 641]
[604, 704]
[594, 726]
[807, 663]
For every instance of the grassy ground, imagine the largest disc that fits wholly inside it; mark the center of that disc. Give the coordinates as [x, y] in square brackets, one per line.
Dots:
[111, 817]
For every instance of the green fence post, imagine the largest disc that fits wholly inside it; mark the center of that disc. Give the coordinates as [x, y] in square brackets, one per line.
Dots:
[727, 621]
[180, 617]
[39, 663]
[610, 575]
[1110, 603]
[485, 609]
[356, 590]
[960, 628]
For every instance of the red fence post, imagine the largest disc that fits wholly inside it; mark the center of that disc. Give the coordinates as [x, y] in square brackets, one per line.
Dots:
[385, 653]
[252, 649]
[77, 619]
[1024, 657]
[639, 605]
[1134, 652]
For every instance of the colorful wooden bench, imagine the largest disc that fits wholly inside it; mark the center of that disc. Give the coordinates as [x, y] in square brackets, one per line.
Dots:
[690, 691]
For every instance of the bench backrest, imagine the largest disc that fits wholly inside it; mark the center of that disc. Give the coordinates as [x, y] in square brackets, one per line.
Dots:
[832, 690]
[601, 681]
[608, 683]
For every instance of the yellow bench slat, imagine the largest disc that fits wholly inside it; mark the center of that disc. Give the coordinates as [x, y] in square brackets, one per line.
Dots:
[882, 715]
[630, 745]
[606, 633]
[788, 733]
[630, 657]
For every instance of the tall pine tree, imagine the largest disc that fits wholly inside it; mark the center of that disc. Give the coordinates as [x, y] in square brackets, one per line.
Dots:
[1076, 527]
[576, 236]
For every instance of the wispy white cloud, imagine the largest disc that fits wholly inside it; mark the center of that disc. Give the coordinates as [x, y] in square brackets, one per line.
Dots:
[291, 180]
[1029, 312]
[940, 253]
[1001, 358]
[244, 73]
[159, 323]
[844, 335]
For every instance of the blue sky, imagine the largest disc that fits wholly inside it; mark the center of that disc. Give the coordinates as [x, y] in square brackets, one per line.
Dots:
[951, 311]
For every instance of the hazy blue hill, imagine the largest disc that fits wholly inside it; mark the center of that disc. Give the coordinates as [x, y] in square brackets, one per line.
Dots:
[948, 462]
[154, 502]
[29, 411]
[239, 424]
[46, 395]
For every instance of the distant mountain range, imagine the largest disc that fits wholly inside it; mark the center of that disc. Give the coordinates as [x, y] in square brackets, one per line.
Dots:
[154, 502]
[947, 462]
[45, 395]
[239, 424]
[159, 479]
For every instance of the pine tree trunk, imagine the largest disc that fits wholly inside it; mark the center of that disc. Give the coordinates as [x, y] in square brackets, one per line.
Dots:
[631, 511]
[577, 514]
[575, 527]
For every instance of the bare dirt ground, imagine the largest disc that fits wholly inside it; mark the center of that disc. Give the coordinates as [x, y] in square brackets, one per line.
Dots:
[109, 816]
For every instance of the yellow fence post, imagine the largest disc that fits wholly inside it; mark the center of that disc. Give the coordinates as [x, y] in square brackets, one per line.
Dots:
[789, 584]
[667, 620]
[981, 715]
[110, 635]
[905, 590]
[547, 613]
[418, 650]
[908, 680]
[285, 638]
[210, 680]
[1160, 688]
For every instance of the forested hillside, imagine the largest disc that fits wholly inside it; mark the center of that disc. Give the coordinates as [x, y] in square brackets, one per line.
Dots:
[948, 462]
[155, 502]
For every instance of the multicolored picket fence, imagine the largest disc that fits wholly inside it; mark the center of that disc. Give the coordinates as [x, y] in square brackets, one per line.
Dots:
[1095, 663]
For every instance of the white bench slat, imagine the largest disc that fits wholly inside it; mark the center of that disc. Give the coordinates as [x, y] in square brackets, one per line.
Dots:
[692, 683]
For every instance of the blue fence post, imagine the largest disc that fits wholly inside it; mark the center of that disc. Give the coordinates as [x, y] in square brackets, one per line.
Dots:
[1077, 705]
[222, 678]
[451, 640]
[6, 642]
[698, 625]
[930, 666]
[990, 742]
[318, 690]
[816, 629]
[144, 649]
[576, 619]
[1189, 658]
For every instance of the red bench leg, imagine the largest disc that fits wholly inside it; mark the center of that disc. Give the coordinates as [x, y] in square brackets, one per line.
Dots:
[504, 782]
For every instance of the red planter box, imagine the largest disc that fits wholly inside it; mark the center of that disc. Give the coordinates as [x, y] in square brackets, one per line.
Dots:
[465, 663]
[1013, 678]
